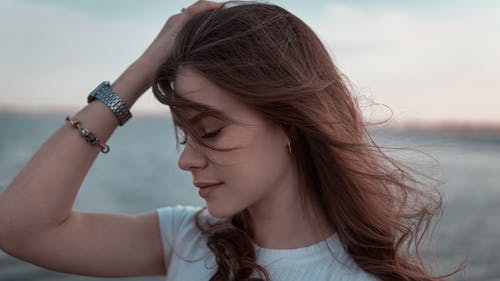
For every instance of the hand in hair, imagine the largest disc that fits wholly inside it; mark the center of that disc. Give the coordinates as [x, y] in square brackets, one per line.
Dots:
[161, 47]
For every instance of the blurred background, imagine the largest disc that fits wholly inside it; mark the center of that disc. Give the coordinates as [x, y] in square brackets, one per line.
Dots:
[430, 68]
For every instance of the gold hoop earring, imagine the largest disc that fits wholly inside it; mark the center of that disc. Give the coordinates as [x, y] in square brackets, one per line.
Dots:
[289, 147]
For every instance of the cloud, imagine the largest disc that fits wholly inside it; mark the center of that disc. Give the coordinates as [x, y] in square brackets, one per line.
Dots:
[52, 57]
[426, 63]
[425, 66]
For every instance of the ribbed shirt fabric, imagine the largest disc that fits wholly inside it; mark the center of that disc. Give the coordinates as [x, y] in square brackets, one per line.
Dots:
[188, 258]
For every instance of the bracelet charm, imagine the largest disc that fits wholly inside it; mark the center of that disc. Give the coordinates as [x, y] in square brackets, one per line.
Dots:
[89, 136]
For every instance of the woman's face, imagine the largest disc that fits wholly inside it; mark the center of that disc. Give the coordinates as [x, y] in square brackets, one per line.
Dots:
[250, 174]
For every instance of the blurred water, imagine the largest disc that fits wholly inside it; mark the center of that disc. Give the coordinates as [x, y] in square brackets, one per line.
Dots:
[141, 174]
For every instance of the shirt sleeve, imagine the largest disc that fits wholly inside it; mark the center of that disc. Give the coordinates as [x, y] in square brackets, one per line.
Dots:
[172, 220]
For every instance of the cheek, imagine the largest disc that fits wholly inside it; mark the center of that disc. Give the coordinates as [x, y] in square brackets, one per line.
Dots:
[257, 167]
[249, 173]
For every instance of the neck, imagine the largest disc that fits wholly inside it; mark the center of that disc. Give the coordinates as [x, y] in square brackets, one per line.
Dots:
[281, 222]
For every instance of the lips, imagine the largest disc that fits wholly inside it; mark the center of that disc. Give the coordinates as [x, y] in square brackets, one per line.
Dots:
[205, 184]
[205, 188]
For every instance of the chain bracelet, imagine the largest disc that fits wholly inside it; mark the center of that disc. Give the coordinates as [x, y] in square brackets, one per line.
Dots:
[89, 136]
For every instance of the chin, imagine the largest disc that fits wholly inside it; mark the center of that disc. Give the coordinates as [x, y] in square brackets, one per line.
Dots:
[220, 213]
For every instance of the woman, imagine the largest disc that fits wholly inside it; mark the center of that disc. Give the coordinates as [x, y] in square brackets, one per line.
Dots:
[294, 187]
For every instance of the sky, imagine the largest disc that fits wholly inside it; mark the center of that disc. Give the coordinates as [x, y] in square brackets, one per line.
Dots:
[417, 61]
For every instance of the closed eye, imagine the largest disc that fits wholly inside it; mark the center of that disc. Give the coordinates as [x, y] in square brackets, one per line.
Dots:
[205, 136]
[211, 134]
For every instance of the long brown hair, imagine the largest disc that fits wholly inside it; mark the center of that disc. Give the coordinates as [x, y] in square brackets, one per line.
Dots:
[272, 61]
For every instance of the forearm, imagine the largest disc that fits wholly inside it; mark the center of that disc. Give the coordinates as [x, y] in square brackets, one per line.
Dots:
[43, 193]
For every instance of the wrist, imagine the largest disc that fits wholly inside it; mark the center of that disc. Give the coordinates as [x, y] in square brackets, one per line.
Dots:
[106, 95]
[132, 83]
[147, 65]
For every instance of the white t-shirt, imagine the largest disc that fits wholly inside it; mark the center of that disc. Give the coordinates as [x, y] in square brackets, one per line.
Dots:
[187, 256]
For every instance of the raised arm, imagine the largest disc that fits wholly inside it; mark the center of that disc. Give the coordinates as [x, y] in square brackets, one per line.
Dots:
[37, 223]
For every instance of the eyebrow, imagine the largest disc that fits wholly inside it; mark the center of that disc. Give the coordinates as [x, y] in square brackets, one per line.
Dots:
[202, 115]
[197, 118]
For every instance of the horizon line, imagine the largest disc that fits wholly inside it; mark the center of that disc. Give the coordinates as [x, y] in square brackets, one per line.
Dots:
[449, 125]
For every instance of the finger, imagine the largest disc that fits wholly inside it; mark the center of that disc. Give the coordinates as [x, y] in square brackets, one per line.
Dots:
[201, 6]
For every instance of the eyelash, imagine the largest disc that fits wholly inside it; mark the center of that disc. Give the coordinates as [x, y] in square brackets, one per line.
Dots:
[205, 136]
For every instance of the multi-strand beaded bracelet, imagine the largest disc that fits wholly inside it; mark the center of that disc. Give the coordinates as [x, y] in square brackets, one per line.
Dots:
[105, 94]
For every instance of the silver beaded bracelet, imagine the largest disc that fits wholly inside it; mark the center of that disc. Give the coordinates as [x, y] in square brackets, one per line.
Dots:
[89, 136]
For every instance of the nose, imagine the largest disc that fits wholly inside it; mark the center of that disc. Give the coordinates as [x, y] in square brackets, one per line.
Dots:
[191, 158]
